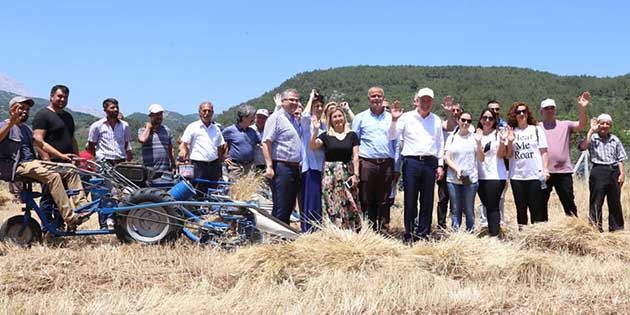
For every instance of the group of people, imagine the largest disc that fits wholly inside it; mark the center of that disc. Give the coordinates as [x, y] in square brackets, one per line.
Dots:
[343, 167]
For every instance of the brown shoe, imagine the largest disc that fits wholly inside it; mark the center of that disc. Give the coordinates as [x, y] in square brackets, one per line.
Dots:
[77, 220]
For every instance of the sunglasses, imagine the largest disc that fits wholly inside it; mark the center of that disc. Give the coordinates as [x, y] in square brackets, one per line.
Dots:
[487, 118]
[521, 111]
[464, 120]
[495, 109]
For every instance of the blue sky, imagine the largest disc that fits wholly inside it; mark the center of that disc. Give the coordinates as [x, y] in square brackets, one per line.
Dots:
[178, 53]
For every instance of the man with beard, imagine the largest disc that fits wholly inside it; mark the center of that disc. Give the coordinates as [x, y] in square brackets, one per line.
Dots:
[54, 126]
[203, 144]
[157, 142]
[17, 157]
[109, 137]
[259, 125]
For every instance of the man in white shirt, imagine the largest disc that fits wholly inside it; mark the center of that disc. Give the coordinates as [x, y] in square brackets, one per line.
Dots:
[202, 143]
[423, 164]
[109, 138]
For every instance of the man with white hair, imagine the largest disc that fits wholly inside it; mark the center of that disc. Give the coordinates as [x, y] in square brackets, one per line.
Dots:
[157, 142]
[607, 176]
[241, 143]
[560, 168]
[423, 160]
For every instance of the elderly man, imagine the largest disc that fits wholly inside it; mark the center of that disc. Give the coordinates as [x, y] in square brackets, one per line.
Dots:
[157, 142]
[422, 154]
[109, 137]
[241, 143]
[376, 158]
[259, 126]
[54, 126]
[283, 153]
[203, 144]
[17, 157]
[607, 176]
[559, 155]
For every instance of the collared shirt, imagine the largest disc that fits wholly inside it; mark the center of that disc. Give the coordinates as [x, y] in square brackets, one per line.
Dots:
[203, 141]
[156, 151]
[372, 132]
[606, 151]
[312, 159]
[423, 136]
[241, 142]
[110, 141]
[284, 136]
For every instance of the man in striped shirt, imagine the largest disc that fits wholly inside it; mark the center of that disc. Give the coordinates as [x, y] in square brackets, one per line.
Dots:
[109, 137]
[607, 177]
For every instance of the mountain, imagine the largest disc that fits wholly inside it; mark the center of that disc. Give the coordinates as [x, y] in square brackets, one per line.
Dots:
[10, 85]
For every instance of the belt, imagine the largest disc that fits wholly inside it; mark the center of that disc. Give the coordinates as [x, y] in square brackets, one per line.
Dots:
[243, 162]
[294, 164]
[205, 162]
[378, 161]
[421, 157]
[613, 166]
[114, 162]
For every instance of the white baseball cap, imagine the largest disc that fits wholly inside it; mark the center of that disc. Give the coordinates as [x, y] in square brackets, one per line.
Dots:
[604, 117]
[155, 108]
[424, 92]
[263, 111]
[547, 103]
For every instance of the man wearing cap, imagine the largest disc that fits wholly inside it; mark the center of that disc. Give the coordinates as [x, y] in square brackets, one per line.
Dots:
[109, 137]
[203, 144]
[259, 127]
[376, 158]
[17, 157]
[157, 142]
[559, 155]
[282, 149]
[607, 176]
[422, 155]
[241, 143]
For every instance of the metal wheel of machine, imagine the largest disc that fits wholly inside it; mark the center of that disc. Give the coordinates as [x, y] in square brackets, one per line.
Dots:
[151, 225]
[14, 230]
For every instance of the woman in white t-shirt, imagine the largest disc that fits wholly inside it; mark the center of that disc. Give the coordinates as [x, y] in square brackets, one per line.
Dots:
[462, 150]
[527, 150]
[491, 168]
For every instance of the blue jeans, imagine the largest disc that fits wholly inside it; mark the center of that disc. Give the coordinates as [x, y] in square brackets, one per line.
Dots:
[462, 201]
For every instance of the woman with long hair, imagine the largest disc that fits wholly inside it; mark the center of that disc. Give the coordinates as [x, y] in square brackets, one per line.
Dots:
[491, 168]
[341, 170]
[527, 151]
[312, 164]
[462, 149]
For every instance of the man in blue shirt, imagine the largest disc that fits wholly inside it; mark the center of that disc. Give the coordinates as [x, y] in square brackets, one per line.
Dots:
[241, 143]
[376, 155]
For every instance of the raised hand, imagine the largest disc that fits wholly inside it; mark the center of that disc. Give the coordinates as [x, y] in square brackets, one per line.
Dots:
[584, 99]
[478, 135]
[316, 122]
[277, 99]
[397, 111]
[344, 105]
[447, 103]
[511, 136]
[594, 124]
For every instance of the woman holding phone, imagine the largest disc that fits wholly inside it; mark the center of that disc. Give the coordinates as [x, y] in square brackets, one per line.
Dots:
[340, 176]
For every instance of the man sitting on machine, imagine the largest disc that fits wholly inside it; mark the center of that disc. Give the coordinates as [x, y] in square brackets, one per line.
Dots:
[17, 158]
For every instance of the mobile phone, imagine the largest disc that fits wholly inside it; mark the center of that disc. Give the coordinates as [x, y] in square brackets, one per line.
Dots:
[348, 183]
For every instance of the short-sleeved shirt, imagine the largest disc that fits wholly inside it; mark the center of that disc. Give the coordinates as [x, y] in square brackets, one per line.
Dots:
[559, 153]
[203, 141]
[339, 150]
[492, 168]
[526, 161]
[463, 152]
[241, 142]
[372, 131]
[26, 152]
[59, 129]
[283, 132]
[111, 142]
[607, 151]
[156, 151]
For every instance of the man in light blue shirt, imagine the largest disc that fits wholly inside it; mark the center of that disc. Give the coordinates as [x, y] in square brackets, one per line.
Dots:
[282, 149]
[376, 155]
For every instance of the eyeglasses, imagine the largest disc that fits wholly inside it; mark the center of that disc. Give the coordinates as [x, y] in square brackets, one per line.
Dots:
[521, 111]
[455, 111]
[487, 118]
[466, 121]
[291, 99]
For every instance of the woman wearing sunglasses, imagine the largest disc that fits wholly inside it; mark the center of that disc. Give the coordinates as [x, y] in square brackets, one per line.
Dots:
[527, 151]
[463, 148]
[491, 167]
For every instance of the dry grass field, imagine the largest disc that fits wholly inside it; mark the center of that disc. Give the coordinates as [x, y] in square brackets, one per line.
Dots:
[560, 267]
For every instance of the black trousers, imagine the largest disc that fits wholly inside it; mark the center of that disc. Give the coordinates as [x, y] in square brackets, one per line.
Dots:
[563, 183]
[419, 181]
[442, 204]
[602, 184]
[206, 170]
[490, 195]
[285, 186]
[528, 195]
